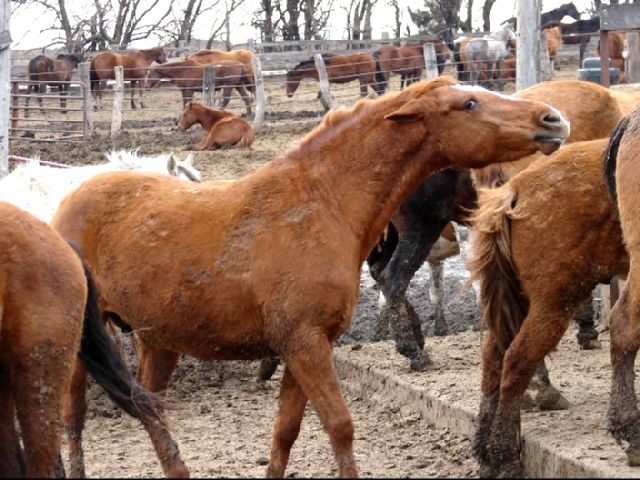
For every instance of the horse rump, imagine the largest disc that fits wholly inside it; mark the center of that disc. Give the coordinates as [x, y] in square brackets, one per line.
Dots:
[610, 157]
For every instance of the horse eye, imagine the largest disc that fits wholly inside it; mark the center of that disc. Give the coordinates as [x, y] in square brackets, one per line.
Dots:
[470, 105]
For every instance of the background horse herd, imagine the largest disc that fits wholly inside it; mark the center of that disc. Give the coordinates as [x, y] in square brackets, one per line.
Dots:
[269, 266]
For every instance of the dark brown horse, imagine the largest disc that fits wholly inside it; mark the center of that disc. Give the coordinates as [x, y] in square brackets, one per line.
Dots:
[44, 71]
[270, 264]
[51, 333]
[359, 66]
[576, 33]
[135, 64]
[187, 75]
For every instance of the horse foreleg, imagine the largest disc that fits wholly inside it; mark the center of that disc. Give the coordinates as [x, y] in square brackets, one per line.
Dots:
[63, 90]
[311, 363]
[246, 98]
[225, 97]
[42, 90]
[587, 334]
[435, 297]
[132, 87]
[27, 100]
[498, 69]
[140, 92]
[285, 431]
[12, 463]
[74, 413]
[363, 87]
[624, 326]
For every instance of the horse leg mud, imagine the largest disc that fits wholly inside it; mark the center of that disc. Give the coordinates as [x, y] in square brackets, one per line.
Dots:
[312, 367]
[539, 334]
[436, 289]
[12, 463]
[547, 397]
[291, 407]
[155, 367]
[74, 414]
[267, 368]
[587, 334]
[624, 416]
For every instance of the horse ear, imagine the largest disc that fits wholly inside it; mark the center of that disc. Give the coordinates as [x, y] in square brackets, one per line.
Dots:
[188, 160]
[412, 111]
[172, 164]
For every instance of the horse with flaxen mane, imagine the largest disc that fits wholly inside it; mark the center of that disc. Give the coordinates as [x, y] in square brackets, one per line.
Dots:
[44, 71]
[187, 75]
[520, 244]
[359, 66]
[50, 335]
[222, 127]
[280, 273]
[622, 175]
[135, 65]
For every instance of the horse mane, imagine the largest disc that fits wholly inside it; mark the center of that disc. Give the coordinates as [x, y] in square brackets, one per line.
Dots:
[335, 117]
[312, 62]
[610, 157]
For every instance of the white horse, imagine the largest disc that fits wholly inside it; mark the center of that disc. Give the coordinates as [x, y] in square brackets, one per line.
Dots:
[39, 189]
[490, 50]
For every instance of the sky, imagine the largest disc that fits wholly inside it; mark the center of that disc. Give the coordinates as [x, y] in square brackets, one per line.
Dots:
[28, 22]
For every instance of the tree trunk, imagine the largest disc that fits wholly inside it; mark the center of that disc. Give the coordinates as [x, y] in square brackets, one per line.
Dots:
[486, 13]
[469, 23]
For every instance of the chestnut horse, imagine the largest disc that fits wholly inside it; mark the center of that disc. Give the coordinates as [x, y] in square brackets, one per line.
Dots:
[281, 269]
[187, 75]
[135, 64]
[622, 175]
[359, 66]
[553, 37]
[543, 241]
[245, 57]
[223, 127]
[43, 71]
[50, 332]
[407, 61]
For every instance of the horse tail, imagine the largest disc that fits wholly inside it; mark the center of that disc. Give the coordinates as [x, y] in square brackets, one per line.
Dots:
[381, 81]
[505, 307]
[610, 157]
[103, 362]
[247, 138]
[93, 76]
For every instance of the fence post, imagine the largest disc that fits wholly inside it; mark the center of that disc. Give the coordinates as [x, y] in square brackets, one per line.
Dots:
[545, 62]
[87, 101]
[261, 101]
[15, 105]
[528, 48]
[5, 77]
[118, 97]
[633, 57]
[325, 92]
[208, 85]
[430, 60]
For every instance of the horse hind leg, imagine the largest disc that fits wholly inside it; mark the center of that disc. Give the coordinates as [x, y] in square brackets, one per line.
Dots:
[436, 296]
[74, 413]
[287, 426]
[587, 334]
[12, 462]
[246, 98]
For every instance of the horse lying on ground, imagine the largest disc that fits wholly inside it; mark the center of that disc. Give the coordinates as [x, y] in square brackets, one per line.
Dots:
[135, 65]
[359, 66]
[50, 333]
[543, 241]
[247, 296]
[222, 127]
[39, 189]
[56, 73]
[621, 170]
[187, 75]
[488, 53]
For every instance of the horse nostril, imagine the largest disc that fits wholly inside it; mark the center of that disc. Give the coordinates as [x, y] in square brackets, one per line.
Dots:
[551, 119]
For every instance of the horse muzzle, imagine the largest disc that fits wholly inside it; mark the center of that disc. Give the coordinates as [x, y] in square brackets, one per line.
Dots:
[556, 131]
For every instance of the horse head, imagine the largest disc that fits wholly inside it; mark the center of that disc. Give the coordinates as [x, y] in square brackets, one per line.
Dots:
[570, 10]
[292, 82]
[183, 169]
[447, 36]
[188, 117]
[73, 59]
[159, 55]
[518, 127]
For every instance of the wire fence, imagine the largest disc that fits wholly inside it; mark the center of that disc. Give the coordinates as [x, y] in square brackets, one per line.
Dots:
[291, 93]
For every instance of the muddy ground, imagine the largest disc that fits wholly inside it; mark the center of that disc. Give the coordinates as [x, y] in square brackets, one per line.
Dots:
[223, 417]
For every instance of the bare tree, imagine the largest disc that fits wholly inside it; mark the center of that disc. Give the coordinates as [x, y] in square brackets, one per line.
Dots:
[282, 19]
[486, 14]
[438, 14]
[397, 29]
[360, 14]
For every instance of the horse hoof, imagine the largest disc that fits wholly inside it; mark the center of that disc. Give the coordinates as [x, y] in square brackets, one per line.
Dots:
[440, 330]
[527, 403]
[420, 364]
[633, 457]
[594, 344]
[551, 399]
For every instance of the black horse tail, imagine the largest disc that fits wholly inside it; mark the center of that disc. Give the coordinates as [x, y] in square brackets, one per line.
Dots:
[381, 82]
[93, 76]
[610, 158]
[104, 363]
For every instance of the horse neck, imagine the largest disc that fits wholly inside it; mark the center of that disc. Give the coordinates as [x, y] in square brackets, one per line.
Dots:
[307, 71]
[355, 181]
[148, 55]
[208, 117]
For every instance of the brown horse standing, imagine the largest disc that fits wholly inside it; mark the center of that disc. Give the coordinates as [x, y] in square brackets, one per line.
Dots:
[187, 75]
[553, 38]
[623, 175]
[543, 241]
[245, 57]
[407, 61]
[49, 318]
[359, 66]
[270, 265]
[223, 127]
[135, 66]
[44, 71]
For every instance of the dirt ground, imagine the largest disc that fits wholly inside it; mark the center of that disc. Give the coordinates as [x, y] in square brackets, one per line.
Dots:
[223, 417]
